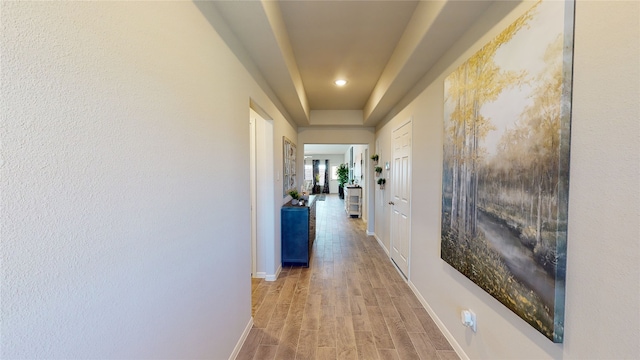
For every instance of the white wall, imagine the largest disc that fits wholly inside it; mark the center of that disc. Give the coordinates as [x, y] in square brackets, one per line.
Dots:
[125, 177]
[336, 117]
[358, 162]
[362, 175]
[383, 196]
[603, 278]
[283, 129]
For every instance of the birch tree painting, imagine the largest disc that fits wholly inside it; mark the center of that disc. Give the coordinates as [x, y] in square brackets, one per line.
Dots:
[506, 165]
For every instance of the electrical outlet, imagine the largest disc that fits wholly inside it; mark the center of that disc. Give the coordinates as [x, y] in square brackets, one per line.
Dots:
[468, 319]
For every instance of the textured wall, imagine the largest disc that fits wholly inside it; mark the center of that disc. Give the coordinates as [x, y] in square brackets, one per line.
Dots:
[603, 277]
[124, 177]
[603, 261]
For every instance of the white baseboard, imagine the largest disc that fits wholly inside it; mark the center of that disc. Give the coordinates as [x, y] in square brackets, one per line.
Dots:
[260, 275]
[370, 233]
[245, 333]
[402, 275]
[381, 245]
[274, 277]
[454, 344]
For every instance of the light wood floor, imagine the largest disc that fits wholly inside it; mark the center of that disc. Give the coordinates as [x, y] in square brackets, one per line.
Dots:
[351, 303]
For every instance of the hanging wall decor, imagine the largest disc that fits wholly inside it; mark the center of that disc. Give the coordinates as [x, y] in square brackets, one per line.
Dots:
[289, 168]
[506, 165]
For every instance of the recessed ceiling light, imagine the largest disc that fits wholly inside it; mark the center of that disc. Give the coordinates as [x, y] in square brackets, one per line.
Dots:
[340, 82]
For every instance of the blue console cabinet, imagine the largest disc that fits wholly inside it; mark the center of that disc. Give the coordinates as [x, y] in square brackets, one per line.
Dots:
[298, 228]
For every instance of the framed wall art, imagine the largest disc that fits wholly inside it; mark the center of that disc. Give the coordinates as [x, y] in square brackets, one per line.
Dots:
[506, 165]
[289, 166]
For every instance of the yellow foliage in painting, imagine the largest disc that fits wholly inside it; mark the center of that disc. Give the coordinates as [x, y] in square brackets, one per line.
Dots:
[508, 178]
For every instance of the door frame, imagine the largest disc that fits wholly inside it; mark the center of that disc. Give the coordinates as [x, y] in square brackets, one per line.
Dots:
[263, 255]
[253, 191]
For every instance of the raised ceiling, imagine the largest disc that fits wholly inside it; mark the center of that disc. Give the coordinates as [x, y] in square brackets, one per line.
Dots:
[296, 49]
[325, 149]
[352, 40]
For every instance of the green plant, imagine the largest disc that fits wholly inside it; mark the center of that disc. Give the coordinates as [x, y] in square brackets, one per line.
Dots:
[343, 174]
[375, 157]
[382, 181]
[378, 169]
[294, 194]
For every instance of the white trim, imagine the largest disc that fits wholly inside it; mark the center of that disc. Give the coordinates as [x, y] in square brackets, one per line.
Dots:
[274, 277]
[252, 191]
[452, 341]
[454, 344]
[402, 275]
[370, 233]
[410, 122]
[240, 343]
[260, 275]
[386, 251]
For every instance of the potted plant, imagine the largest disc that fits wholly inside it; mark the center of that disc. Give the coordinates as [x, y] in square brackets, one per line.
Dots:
[375, 158]
[316, 187]
[343, 177]
[378, 170]
[294, 196]
[381, 182]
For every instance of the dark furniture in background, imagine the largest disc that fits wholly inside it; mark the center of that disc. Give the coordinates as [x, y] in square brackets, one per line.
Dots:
[298, 229]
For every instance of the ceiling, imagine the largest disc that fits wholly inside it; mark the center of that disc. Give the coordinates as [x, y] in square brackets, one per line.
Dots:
[296, 49]
[325, 149]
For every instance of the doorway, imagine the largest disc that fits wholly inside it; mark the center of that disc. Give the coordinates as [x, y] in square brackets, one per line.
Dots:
[329, 157]
[262, 183]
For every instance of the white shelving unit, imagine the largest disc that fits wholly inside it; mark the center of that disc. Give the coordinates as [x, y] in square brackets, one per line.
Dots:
[353, 201]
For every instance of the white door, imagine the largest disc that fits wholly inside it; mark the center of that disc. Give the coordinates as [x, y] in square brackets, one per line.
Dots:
[401, 197]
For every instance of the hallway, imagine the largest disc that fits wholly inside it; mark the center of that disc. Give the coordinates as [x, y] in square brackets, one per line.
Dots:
[351, 303]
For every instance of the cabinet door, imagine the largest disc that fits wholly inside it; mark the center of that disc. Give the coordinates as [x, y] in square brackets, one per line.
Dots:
[295, 236]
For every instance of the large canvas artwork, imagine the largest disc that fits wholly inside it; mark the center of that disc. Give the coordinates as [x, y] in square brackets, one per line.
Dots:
[506, 165]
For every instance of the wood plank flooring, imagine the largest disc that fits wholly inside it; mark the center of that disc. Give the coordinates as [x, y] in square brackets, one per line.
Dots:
[350, 303]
